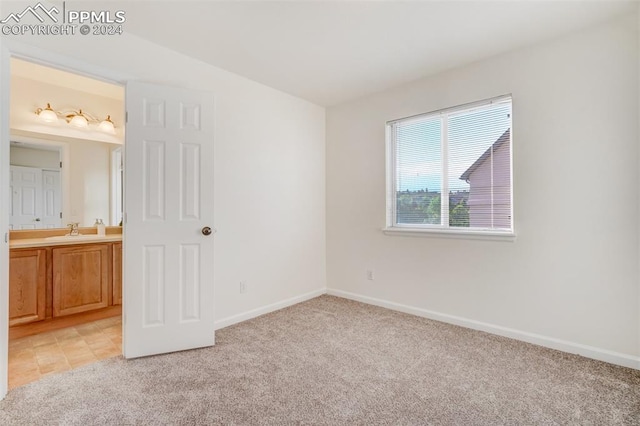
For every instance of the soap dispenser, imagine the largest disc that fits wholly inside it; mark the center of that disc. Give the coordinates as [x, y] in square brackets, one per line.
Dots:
[101, 229]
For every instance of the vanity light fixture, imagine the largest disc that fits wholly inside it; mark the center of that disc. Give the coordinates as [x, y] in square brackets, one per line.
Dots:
[79, 119]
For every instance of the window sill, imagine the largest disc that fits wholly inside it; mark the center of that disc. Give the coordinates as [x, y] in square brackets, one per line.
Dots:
[451, 233]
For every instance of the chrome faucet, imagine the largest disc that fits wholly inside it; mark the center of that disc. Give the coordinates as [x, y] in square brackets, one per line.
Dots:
[74, 229]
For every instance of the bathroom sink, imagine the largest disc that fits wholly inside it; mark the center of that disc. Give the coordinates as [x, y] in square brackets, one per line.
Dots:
[74, 237]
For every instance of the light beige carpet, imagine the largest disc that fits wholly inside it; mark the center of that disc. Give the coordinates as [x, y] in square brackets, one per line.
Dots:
[331, 361]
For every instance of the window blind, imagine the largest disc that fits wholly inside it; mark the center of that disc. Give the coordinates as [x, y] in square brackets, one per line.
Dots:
[452, 168]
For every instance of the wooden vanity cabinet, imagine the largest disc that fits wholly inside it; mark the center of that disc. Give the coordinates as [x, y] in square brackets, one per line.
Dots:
[57, 281]
[81, 278]
[27, 291]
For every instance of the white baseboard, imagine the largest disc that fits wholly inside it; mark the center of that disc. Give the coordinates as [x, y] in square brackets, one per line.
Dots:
[537, 339]
[234, 319]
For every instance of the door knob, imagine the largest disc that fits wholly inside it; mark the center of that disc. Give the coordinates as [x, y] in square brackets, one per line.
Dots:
[206, 231]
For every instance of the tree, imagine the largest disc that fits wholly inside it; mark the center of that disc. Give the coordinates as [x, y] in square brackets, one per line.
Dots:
[433, 211]
[459, 215]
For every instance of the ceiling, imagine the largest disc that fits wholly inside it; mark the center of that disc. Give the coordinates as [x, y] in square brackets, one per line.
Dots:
[330, 52]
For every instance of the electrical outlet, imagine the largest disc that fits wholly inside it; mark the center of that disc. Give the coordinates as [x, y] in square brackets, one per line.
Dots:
[243, 287]
[370, 275]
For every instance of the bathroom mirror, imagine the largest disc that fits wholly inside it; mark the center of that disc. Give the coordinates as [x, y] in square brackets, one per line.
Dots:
[56, 182]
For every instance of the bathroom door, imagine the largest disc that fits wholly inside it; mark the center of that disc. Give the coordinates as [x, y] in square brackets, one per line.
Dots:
[26, 198]
[35, 198]
[168, 246]
[51, 199]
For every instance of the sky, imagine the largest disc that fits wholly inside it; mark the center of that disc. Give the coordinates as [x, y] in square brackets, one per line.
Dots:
[470, 134]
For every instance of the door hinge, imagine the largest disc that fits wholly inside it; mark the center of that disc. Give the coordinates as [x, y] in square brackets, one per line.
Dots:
[6, 237]
[60, 215]
[61, 164]
[126, 116]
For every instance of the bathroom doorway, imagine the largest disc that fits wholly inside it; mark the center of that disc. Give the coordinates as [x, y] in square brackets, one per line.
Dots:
[53, 326]
[168, 223]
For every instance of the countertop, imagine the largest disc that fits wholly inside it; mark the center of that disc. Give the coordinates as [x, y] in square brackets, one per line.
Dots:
[63, 241]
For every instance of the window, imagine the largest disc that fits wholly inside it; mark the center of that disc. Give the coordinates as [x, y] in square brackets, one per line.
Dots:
[462, 152]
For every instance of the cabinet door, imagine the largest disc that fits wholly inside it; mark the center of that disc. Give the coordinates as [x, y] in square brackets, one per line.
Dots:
[117, 273]
[81, 278]
[27, 286]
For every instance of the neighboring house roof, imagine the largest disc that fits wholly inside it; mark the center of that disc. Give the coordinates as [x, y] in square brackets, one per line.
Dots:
[506, 136]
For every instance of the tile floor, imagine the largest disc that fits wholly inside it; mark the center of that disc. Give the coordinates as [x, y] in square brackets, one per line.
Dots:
[33, 357]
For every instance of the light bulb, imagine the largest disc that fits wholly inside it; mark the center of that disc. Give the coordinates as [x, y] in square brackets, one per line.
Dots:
[48, 115]
[107, 126]
[79, 120]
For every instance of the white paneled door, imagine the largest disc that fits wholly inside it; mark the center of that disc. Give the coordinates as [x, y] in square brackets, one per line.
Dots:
[168, 246]
[51, 199]
[35, 198]
[26, 197]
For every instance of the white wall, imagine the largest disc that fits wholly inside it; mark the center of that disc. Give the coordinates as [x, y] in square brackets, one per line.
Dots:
[29, 157]
[88, 172]
[269, 185]
[571, 276]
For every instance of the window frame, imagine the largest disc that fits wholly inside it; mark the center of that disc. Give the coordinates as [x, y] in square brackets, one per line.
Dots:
[442, 230]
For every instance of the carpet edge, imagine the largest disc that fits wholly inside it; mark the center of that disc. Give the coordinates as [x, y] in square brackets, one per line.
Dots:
[253, 313]
[587, 351]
